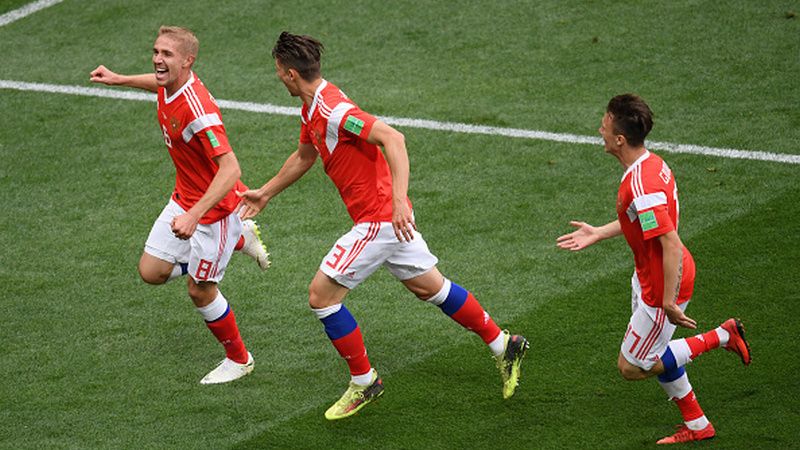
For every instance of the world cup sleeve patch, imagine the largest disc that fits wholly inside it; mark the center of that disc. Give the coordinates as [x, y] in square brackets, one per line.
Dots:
[648, 220]
[212, 138]
[353, 125]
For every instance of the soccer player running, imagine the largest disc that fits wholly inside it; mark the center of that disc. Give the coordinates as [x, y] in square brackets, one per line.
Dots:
[198, 229]
[662, 284]
[374, 188]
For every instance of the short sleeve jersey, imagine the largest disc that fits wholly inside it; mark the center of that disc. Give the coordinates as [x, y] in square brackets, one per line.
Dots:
[647, 207]
[193, 131]
[338, 129]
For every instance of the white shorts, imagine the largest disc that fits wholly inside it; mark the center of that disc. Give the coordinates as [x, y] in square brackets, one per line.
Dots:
[208, 250]
[367, 246]
[649, 331]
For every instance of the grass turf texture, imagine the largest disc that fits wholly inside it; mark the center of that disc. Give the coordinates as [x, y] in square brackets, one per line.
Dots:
[93, 358]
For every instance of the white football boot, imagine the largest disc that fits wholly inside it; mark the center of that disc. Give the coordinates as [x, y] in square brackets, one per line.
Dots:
[229, 370]
[254, 246]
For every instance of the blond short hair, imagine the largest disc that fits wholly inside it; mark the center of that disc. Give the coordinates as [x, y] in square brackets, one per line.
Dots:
[187, 40]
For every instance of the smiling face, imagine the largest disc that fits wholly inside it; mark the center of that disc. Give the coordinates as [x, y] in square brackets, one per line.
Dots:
[172, 64]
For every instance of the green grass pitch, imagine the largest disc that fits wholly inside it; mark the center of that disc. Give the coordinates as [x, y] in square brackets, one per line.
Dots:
[91, 357]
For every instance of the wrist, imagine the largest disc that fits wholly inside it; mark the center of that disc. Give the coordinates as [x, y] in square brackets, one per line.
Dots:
[194, 215]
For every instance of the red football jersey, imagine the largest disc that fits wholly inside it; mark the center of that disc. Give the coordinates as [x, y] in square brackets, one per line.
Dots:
[338, 129]
[647, 207]
[193, 131]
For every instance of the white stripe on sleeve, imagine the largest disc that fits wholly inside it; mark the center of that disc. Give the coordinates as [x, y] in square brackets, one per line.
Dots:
[335, 119]
[648, 201]
[199, 124]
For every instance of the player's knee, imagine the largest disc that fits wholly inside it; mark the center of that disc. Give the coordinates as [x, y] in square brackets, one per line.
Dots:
[203, 293]
[315, 300]
[628, 371]
[150, 276]
[421, 293]
[195, 293]
[318, 300]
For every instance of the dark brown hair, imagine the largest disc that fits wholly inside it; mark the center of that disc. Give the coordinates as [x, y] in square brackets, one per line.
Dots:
[631, 117]
[301, 53]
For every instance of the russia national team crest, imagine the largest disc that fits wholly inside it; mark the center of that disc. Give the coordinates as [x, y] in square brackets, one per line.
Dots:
[174, 124]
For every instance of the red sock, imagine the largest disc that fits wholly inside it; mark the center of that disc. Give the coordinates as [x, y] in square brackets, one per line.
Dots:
[351, 348]
[690, 409]
[227, 333]
[703, 343]
[239, 243]
[472, 316]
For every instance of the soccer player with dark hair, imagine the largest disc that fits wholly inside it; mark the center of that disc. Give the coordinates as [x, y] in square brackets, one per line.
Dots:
[663, 282]
[199, 229]
[373, 185]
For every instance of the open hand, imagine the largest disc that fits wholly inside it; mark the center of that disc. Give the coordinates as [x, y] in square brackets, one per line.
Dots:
[251, 203]
[584, 236]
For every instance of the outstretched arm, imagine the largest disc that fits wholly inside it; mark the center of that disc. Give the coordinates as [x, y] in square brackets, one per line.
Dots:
[145, 81]
[296, 165]
[394, 146]
[586, 235]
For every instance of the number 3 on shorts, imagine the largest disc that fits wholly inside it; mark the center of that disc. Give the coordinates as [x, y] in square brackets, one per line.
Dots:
[337, 257]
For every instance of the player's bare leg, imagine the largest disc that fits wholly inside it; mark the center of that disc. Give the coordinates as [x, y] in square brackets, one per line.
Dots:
[461, 306]
[154, 270]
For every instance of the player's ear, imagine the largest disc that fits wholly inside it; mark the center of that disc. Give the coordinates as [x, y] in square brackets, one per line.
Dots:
[189, 61]
[620, 140]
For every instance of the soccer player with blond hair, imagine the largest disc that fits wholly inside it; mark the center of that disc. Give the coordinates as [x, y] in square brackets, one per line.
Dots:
[198, 229]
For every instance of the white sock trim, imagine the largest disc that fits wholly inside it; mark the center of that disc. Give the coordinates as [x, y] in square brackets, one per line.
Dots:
[677, 388]
[498, 345]
[723, 335]
[441, 296]
[364, 379]
[697, 424]
[681, 352]
[177, 271]
[215, 309]
[322, 313]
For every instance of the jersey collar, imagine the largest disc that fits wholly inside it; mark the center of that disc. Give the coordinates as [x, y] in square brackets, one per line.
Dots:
[317, 96]
[635, 163]
[180, 91]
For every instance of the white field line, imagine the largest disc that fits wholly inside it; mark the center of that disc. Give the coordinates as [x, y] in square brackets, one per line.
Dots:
[267, 108]
[26, 10]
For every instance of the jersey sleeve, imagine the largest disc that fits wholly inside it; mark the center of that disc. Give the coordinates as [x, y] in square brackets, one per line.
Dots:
[653, 212]
[305, 136]
[206, 124]
[214, 140]
[357, 122]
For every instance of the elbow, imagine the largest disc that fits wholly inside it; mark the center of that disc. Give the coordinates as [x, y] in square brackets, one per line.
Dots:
[398, 138]
[232, 172]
